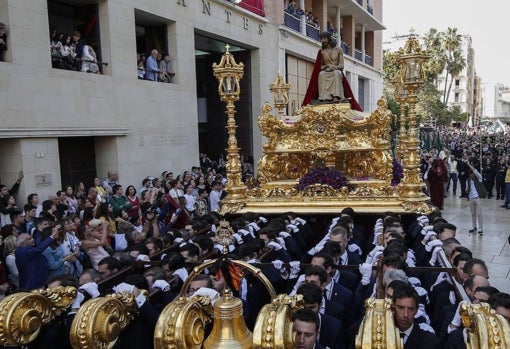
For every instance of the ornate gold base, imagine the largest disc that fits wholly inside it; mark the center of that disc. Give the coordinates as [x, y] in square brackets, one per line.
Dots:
[367, 196]
[355, 144]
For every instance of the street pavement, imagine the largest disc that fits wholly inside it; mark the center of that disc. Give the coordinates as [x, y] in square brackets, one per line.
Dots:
[493, 246]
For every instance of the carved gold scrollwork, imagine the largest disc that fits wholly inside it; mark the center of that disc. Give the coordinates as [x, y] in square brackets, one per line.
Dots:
[22, 314]
[486, 329]
[378, 328]
[182, 323]
[273, 328]
[99, 321]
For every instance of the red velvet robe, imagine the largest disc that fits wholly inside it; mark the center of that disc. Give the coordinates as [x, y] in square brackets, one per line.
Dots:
[313, 87]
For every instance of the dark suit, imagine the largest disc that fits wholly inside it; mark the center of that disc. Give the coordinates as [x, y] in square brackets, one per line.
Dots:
[331, 334]
[348, 279]
[334, 310]
[353, 258]
[419, 339]
[456, 340]
[139, 333]
[343, 296]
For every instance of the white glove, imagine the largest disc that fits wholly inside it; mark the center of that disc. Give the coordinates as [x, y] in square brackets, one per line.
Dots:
[415, 282]
[91, 288]
[182, 273]
[366, 273]
[375, 241]
[354, 248]
[292, 228]
[300, 281]
[295, 268]
[162, 285]
[317, 248]
[143, 257]
[300, 220]
[423, 220]
[238, 238]
[426, 327]
[284, 235]
[372, 256]
[253, 261]
[281, 242]
[263, 219]
[456, 321]
[209, 292]
[274, 246]
[245, 232]
[124, 287]
[77, 301]
[429, 235]
[277, 264]
[432, 244]
[426, 229]
[410, 262]
[178, 240]
[435, 257]
[254, 226]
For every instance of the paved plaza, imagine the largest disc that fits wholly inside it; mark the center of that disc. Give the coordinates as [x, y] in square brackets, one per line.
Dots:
[493, 247]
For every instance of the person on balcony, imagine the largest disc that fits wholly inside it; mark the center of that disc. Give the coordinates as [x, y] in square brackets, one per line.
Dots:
[328, 83]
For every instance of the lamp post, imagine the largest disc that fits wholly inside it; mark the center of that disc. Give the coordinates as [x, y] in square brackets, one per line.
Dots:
[228, 73]
[412, 76]
[280, 90]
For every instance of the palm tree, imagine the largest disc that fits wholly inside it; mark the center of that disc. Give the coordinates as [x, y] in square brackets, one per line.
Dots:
[436, 64]
[452, 42]
[455, 67]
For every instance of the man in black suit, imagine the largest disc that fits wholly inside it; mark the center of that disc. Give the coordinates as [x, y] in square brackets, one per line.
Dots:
[330, 327]
[305, 327]
[334, 292]
[405, 306]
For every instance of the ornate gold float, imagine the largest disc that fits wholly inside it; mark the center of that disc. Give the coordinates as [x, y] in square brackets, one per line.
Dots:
[99, 321]
[354, 143]
[485, 328]
[378, 328]
[23, 314]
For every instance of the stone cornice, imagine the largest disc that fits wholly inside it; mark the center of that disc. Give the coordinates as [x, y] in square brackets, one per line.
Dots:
[21, 132]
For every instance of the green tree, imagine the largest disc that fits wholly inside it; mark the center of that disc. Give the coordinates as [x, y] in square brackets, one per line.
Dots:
[454, 61]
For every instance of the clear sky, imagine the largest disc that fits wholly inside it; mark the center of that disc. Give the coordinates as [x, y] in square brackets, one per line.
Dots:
[487, 22]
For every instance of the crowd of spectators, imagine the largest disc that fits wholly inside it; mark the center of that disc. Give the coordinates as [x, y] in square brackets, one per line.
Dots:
[70, 52]
[291, 8]
[488, 153]
[84, 236]
[155, 67]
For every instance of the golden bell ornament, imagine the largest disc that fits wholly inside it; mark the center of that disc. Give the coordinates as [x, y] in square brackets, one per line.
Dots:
[229, 329]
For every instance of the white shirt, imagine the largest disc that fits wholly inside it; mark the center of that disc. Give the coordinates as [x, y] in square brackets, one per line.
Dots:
[214, 200]
[407, 333]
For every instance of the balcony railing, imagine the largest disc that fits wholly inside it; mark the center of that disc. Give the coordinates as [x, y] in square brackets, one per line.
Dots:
[292, 22]
[368, 60]
[358, 55]
[312, 32]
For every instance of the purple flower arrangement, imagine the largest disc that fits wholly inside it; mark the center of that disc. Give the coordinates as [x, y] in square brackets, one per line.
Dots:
[398, 172]
[323, 175]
